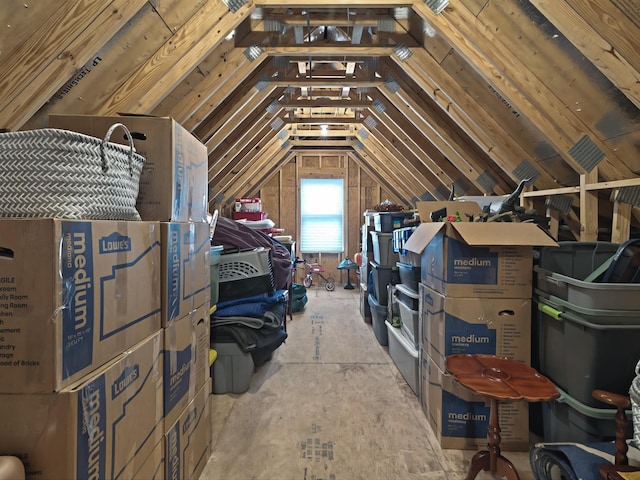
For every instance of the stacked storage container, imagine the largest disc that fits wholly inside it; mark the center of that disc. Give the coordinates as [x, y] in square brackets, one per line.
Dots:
[588, 334]
[474, 297]
[113, 343]
[366, 287]
[384, 271]
[404, 341]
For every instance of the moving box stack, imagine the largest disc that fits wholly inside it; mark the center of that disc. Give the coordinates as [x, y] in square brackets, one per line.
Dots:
[475, 295]
[104, 330]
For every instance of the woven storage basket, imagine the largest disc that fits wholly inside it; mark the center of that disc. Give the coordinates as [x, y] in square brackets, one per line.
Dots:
[60, 173]
[634, 393]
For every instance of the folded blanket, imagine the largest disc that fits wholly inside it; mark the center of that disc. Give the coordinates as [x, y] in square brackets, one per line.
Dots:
[569, 461]
[253, 306]
[575, 461]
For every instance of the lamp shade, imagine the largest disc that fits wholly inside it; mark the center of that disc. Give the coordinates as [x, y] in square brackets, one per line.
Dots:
[347, 264]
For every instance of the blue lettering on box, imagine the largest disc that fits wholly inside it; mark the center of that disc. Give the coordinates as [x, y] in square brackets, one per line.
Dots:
[124, 380]
[464, 337]
[91, 424]
[173, 452]
[192, 416]
[463, 419]
[180, 179]
[471, 264]
[77, 297]
[174, 275]
[114, 243]
[177, 373]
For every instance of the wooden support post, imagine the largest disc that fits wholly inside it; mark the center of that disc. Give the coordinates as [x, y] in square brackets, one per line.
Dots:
[621, 222]
[588, 207]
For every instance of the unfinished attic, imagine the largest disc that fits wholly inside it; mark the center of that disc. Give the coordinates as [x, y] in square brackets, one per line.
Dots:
[144, 143]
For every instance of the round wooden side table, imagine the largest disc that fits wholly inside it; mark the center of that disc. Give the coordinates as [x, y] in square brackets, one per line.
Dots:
[499, 379]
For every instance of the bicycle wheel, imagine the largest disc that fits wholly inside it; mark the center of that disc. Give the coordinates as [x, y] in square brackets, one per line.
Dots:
[330, 285]
[308, 281]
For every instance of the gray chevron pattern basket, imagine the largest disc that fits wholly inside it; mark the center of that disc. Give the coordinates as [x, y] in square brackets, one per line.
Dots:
[60, 173]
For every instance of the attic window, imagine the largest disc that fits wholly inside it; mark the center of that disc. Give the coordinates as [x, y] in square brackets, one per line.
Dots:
[321, 215]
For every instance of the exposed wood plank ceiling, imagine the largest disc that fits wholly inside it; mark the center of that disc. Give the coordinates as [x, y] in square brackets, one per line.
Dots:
[480, 96]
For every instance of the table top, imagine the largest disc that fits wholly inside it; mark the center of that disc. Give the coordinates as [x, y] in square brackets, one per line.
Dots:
[500, 378]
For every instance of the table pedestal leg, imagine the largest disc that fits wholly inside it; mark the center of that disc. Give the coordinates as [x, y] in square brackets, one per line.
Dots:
[491, 460]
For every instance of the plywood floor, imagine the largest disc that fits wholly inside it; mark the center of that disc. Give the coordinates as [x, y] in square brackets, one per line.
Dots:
[330, 405]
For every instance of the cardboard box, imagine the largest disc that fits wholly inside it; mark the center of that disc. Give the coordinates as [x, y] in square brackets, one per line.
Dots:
[188, 441]
[186, 269]
[174, 181]
[73, 295]
[468, 259]
[459, 418]
[466, 211]
[494, 326]
[154, 467]
[105, 426]
[186, 361]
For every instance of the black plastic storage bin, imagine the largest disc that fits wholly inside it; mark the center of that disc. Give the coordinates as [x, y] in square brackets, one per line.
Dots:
[565, 419]
[378, 317]
[580, 356]
[383, 276]
[409, 275]
[389, 221]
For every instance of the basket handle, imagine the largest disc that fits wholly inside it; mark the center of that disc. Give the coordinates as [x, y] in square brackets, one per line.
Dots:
[105, 140]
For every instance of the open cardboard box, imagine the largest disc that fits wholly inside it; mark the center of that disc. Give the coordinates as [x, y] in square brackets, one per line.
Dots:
[475, 259]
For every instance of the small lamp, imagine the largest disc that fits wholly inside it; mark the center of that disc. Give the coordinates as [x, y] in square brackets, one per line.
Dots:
[347, 265]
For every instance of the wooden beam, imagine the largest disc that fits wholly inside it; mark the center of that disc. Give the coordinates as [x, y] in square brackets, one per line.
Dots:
[513, 79]
[329, 49]
[621, 222]
[33, 73]
[588, 208]
[217, 85]
[599, 40]
[197, 38]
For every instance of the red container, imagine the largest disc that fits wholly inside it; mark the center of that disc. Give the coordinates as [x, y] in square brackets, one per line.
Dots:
[248, 215]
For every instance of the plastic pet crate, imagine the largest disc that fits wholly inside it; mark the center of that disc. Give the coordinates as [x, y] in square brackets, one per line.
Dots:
[580, 356]
[244, 274]
[562, 272]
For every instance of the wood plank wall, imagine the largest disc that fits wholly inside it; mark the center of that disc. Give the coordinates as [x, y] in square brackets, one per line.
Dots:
[280, 199]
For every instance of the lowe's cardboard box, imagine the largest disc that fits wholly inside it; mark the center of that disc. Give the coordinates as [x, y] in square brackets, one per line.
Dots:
[154, 467]
[73, 295]
[470, 259]
[186, 270]
[459, 418]
[173, 182]
[188, 440]
[186, 361]
[105, 426]
[493, 326]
